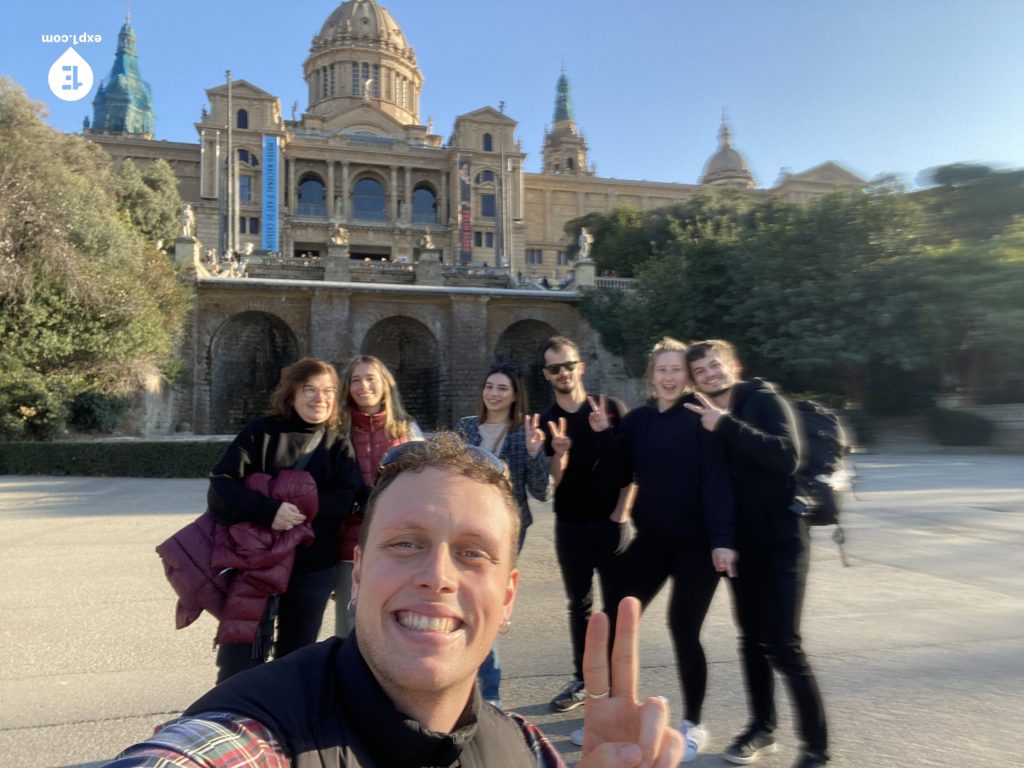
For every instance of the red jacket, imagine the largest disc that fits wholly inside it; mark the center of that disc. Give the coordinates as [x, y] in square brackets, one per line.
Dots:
[370, 442]
[231, 571]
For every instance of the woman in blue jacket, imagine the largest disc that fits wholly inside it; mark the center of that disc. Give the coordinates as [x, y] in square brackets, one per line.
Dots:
[504, 427]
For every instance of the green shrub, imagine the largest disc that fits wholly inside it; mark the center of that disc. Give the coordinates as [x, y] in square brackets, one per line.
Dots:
[960, 427]
[29, 408]
[112, 458]
[91, 412]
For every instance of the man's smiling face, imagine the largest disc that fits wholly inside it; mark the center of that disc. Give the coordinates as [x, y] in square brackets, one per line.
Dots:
[434, 582]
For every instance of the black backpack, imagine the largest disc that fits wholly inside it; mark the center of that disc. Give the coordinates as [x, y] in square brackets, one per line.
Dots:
[825, 474]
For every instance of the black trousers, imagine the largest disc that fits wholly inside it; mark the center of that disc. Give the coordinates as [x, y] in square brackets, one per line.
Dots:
[582, 549]
[299, 613]
[643, 570]
[768, 597]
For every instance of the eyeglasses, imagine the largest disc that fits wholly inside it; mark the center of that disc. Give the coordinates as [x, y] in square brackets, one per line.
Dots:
[329, 393]
[420, 447]
[568, 365]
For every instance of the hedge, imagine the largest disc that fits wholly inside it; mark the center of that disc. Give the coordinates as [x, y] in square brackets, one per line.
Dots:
[112, 458]
[960, 427]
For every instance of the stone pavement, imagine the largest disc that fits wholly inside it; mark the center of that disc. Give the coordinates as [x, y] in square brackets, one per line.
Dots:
[918, 646]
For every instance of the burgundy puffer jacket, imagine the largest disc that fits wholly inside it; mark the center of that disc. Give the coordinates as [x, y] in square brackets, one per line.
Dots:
[231, 571]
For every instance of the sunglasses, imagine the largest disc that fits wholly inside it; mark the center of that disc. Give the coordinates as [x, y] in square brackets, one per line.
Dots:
[569, 365]
[419, 447]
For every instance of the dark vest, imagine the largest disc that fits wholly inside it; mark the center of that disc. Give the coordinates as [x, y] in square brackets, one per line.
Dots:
[328, 710]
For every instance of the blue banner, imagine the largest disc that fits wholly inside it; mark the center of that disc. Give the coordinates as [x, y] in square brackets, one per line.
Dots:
[271, 157]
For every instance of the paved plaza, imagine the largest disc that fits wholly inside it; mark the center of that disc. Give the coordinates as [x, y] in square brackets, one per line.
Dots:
[918, 645]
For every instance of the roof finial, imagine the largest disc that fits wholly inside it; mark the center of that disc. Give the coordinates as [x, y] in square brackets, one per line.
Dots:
[724, 134]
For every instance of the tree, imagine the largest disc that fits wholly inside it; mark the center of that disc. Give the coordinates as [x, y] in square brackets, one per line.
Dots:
[87, 304]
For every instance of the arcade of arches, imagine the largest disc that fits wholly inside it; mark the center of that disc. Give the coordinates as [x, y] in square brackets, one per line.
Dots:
[438, 344]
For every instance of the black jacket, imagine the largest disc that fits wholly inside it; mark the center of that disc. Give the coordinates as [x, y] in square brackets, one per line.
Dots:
[763, 445]
[683, 484]
[268, 444]
[327, 708]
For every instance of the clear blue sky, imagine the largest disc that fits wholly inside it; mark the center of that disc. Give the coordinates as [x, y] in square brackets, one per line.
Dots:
[878, 85]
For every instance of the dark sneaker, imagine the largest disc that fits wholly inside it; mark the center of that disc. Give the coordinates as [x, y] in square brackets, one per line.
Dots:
[748, 745]
[810, 760]
[570, 697]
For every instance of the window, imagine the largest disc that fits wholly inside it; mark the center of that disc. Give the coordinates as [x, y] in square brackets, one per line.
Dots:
[424, 205]
[254, 225]
[569, 163]
[356, 85]
[332, 80]
[478, 239]
[534, 256]
[241, 225]
[369, 200]
[376, 81]
[242, 120]
[562, 258]
[484, 177]
[323, 82]
[311, 197]
[488, 143]
[245, 189]
[248, 158]
[487, 206]
[489, 239]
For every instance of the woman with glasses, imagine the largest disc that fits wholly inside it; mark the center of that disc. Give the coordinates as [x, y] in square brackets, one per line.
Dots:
[300, 431]
[504, 427]
[373, 419]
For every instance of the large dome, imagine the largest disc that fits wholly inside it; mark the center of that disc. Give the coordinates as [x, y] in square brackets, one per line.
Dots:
[361, 56]
[727, 167]
[364, 21]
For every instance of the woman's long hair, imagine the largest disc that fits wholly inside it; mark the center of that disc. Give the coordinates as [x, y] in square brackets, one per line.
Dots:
[665, 344]
[520, 405]
[397, 423]
[282, 401]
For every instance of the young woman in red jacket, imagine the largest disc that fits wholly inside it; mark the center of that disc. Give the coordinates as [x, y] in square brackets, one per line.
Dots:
[374, 420]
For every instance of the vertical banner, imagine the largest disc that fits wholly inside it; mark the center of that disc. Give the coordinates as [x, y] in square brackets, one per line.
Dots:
[465, 219]
[271, 193]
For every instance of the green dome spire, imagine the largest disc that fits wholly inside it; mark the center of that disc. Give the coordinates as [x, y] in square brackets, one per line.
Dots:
[123, 101]
[563, 100]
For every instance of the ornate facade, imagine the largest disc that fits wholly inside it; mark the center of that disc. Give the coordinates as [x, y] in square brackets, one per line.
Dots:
[359, 156]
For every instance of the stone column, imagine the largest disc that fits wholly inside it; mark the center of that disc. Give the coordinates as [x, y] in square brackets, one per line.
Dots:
[428, 269]
[442, 202]
[330, 325]
[393, 213]
[336, 268]
[345, 211]
[329, 196]
[407, 194]
[293, 192]
[469, 358]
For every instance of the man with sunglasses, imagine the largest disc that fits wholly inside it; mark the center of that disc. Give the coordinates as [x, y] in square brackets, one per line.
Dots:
[590, 523]
[434, 581]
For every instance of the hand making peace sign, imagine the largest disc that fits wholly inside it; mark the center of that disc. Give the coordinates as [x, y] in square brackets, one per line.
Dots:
[533, 433]
[708, 411]
[599, 421]
[618, 730]
[560, 441]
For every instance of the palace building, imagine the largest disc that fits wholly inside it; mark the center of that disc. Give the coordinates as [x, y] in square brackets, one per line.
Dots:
[359, 157]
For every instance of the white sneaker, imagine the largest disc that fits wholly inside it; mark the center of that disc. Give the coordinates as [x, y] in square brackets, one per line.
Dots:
[576, 737]
[695, 736]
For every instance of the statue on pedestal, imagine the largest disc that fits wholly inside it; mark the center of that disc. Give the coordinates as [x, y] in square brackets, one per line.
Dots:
[585, 241]
[188, 221]
[339, 236]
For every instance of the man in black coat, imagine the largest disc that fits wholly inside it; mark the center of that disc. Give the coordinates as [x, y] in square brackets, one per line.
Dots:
[762, 442]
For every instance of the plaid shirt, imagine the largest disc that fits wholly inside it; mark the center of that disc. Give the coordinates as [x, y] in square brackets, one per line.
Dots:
[226, 740]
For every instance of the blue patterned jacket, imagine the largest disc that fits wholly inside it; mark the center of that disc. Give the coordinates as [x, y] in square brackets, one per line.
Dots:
[527, 474]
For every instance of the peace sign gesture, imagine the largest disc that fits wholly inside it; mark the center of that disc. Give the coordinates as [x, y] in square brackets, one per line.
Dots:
[618, 730]
[709, 411]
[533, 433]
[560, 440]
[598, 418]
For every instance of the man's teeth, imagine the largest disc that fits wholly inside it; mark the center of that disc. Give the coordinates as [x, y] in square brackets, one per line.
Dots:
[426, 623]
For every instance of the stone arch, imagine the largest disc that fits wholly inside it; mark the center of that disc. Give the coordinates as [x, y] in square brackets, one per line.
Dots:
[247, 354]
[409, 349]
[521, 343]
